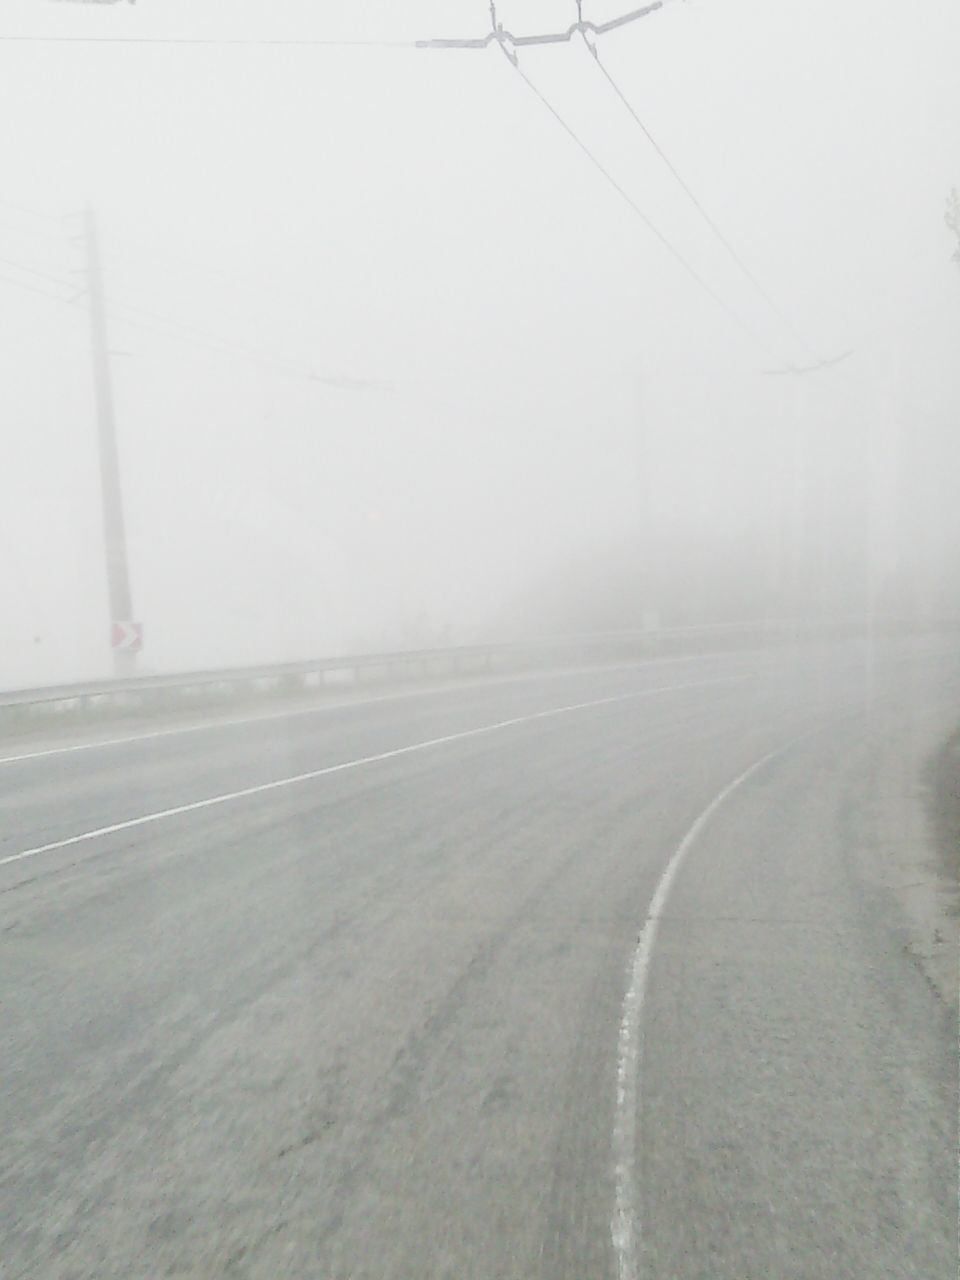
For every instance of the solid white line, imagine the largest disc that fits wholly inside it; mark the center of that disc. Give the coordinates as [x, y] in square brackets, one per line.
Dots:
[320, 709]
[209, 725]
[625, 1225]
[264, 787]
[233, 722]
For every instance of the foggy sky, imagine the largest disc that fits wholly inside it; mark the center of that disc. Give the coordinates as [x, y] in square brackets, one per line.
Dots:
[415, 219]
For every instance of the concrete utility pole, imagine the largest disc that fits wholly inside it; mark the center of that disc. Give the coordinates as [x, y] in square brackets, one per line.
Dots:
[806, 529]
[645, 524]
[125, 635]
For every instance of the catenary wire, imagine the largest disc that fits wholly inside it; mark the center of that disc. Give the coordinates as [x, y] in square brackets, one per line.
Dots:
[698, 205]
[638, 212]
[479, 42]
[150, 321]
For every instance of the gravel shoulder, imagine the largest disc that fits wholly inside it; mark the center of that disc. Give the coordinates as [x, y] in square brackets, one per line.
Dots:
[944, 783]
[910, 831]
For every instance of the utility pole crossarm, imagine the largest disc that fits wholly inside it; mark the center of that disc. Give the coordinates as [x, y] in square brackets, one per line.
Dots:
[503, 37]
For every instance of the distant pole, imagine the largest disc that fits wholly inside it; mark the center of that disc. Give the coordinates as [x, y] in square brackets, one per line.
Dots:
[650, 614]
[808, 532]
[802, 536]
[114, 532]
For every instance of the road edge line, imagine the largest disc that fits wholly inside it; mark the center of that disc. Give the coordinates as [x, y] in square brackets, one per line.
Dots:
[625, 1224]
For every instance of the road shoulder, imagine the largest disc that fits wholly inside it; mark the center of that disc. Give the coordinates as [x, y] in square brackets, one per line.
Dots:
[909, 840]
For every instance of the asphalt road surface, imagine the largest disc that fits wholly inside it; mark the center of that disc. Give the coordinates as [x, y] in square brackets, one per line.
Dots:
[571, 976]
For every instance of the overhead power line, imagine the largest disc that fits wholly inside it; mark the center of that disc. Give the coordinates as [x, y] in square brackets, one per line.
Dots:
[279, 41]
[12, 207]
[124, 247]
[638, 212]
[33, 288]
[498, 35]
[510, 43]
[208, 340]
[33, 271]
[182, 334]
[34, 230]
[810, 368]
[698, 205]
[161, 325]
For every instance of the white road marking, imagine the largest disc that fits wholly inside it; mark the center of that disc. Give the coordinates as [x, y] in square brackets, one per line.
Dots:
[263, 787]
[319, 709]
[625, 1225]
[232, 722]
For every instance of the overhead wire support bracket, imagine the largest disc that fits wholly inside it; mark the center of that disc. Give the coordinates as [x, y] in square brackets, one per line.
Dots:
[497, 33]
[809, 368]
[507, 41]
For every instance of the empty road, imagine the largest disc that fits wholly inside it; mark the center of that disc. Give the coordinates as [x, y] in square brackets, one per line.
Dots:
[566, 976]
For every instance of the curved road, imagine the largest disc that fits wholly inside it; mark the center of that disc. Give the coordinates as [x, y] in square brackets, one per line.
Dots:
[552, 977]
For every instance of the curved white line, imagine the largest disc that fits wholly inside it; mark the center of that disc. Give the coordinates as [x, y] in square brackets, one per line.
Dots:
[263, 787]
[625, 1225]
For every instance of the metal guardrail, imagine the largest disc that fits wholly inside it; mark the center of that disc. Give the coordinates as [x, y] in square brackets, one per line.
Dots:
[455, 657]
[303, 676]
[153, 692]
[275, 673]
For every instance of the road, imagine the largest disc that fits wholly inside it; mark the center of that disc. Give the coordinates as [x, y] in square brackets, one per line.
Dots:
[400, 1010]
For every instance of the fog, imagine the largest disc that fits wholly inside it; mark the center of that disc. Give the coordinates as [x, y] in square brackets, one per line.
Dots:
[394, 364]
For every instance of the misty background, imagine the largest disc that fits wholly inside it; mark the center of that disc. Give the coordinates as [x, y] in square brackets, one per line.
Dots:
[393, 364]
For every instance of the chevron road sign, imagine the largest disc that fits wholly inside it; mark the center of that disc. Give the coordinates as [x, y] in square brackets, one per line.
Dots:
[127, 635]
